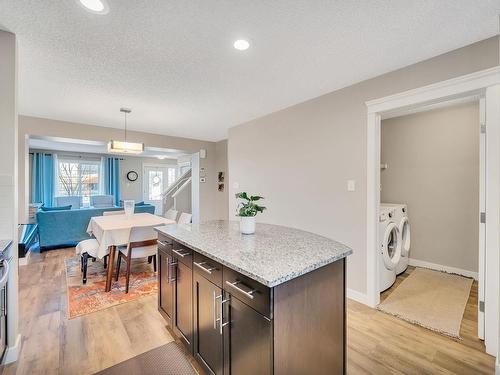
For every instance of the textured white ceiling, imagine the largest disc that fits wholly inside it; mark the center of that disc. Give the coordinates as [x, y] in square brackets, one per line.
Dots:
[174, 64]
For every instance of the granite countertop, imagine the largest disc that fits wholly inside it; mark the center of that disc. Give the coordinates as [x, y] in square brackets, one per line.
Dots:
[271, 256]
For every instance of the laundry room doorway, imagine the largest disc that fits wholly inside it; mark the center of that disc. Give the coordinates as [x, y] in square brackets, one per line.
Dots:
[480, 90]
[430, 181]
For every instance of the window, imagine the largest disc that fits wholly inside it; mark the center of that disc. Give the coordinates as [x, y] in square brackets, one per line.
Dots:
[78, 177]
[171, 176]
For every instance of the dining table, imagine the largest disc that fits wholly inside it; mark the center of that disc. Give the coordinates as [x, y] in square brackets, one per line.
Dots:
[114, 230]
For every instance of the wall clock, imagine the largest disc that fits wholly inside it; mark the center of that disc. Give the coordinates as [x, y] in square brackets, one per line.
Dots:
[132, 176]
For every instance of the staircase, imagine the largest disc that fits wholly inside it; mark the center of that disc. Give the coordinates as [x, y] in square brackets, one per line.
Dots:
[173, 191]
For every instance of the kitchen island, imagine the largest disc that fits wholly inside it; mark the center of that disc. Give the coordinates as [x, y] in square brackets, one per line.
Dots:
[268, 303]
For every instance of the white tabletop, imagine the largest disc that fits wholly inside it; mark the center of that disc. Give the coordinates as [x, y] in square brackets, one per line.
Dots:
[114, 230]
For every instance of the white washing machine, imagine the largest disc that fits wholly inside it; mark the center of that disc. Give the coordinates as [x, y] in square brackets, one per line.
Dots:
[389, 248]
[403, 222]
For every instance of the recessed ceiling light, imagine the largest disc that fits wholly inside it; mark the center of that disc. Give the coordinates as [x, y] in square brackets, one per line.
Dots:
[241, 44]
[95, 6]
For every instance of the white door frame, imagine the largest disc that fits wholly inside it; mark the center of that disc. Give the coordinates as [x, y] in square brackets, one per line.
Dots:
[482, 208]
[195, 188]
[485, 83]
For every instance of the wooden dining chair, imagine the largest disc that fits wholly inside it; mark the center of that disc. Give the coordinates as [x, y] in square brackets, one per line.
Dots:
[171, 214]
[88, 249]
[142, 244]
[184, 218]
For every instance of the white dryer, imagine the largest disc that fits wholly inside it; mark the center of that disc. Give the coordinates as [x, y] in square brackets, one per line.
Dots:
[389, 250]
[403, 222]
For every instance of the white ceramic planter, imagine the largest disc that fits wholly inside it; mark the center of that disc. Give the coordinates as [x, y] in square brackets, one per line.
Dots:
[247, 225]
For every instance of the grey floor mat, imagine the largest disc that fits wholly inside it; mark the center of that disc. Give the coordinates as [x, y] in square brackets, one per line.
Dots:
[164, 360]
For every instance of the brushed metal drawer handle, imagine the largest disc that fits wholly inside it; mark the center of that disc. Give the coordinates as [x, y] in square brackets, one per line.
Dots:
[221, 319]
[207, 270]
[235, 284]
[171, 266]
[182, 255]
[216, 319]
[162, 243]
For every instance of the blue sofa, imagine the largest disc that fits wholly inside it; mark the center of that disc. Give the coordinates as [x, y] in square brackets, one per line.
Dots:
[66, 228]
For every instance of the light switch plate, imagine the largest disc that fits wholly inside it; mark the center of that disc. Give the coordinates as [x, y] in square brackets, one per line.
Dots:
[236, 185]
[351, 185]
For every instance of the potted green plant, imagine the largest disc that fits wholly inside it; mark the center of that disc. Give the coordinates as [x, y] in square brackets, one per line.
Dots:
[247, 210]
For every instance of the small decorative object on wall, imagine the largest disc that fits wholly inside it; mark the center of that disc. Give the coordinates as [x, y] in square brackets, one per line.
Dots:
[132, 176]
[221, 187]
[220, 177]
[247, 211]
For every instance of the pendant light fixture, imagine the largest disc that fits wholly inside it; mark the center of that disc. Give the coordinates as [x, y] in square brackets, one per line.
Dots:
[124, 147]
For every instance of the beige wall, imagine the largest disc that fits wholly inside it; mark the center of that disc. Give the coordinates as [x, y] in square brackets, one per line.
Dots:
[133, 189]
[433, 167]
[222, 198]
[52, 128]
[300, 158]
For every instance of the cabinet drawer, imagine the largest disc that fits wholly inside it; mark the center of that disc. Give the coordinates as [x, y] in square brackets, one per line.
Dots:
[165, 245]
[182, 253]
[208, 268]
[249, 291]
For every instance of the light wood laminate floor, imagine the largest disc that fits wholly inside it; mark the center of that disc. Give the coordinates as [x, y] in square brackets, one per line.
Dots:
[379, 343]
[52, 344]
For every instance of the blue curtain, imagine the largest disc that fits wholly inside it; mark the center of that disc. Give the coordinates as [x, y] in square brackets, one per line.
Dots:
[112, 178]
[42, 179]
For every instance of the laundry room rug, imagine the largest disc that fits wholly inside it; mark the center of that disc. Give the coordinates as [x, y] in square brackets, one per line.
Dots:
[91, 297]
[432, 299]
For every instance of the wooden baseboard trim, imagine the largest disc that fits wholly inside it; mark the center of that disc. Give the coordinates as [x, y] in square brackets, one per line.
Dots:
[439, 267]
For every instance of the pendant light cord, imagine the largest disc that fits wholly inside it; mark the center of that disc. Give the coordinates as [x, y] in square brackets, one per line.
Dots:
[125, 126]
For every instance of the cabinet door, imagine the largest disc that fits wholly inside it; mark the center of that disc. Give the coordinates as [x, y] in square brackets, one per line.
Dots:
[248, 341]
[207, 336]
[183, 315]
[165, 294]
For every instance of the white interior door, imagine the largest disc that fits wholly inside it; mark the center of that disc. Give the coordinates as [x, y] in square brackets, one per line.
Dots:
[482, 218]
[156, 179]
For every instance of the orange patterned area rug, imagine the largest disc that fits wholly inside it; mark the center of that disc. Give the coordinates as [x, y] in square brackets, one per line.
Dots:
[91, 297]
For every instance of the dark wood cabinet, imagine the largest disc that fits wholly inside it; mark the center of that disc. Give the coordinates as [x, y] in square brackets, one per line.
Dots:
[248, 339]
[175, 294]
[297, 327]
[183, 303]
[166, 289]
[208, 338]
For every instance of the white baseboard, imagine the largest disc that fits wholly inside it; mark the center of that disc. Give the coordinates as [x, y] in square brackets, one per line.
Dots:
[439, 267]
[12, 352]
[357, 296]
[24, 261]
